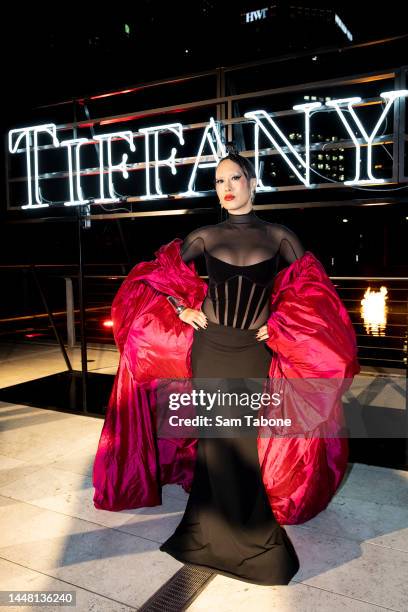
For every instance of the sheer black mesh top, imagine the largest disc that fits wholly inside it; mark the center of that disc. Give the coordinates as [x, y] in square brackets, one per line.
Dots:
[242, 256]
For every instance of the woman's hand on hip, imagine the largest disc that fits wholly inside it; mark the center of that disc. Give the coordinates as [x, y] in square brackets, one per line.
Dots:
[195, 318]
[262, 333]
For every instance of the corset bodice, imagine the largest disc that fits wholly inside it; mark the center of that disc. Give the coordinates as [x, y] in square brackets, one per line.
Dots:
[239, 294]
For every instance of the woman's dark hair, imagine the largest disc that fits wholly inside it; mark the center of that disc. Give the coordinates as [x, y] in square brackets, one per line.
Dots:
[244, 163]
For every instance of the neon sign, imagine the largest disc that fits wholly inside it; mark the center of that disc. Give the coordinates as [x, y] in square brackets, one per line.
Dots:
[212, 138]
[177, 129]
[25, 133]
[257, 116]
[390, 96]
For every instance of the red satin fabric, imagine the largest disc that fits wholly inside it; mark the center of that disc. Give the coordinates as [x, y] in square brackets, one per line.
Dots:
[312, 337]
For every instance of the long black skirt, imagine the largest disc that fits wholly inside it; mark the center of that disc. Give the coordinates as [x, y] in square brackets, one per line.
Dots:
[228, 524]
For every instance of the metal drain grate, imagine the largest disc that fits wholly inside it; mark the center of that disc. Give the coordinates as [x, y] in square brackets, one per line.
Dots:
[180, 591]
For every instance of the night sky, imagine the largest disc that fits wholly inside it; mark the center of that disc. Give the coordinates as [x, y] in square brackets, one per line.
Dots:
[57, 51]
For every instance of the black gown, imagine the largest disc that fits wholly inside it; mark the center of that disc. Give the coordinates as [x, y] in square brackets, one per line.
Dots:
[228, 524]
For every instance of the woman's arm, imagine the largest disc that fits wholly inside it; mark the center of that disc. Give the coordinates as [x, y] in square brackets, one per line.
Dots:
[193, 246]
[290, 247]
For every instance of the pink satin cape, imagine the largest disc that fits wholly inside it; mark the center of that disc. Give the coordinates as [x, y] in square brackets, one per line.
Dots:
[311, 336]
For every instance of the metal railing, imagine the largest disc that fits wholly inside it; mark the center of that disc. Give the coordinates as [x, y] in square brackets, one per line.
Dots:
[378, 348]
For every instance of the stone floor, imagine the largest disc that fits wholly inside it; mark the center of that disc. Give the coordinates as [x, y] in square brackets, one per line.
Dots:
[354, 555]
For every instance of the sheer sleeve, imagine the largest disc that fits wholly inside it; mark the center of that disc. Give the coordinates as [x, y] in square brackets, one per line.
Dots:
[290, 247]
[193, 245]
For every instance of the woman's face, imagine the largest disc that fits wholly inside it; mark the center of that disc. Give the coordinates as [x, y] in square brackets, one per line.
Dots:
[233, 188]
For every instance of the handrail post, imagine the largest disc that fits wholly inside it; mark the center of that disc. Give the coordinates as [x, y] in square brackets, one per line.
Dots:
[70, 309]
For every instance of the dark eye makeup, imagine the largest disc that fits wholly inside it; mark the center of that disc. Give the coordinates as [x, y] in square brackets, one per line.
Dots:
[236, 177]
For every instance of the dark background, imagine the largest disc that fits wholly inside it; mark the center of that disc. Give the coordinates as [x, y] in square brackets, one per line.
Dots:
[59, 51]
[63, 51]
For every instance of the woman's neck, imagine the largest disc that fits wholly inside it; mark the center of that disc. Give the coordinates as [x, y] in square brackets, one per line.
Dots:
[248, 217]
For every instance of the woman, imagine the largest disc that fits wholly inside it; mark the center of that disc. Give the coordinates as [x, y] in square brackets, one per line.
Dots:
[228, 524]
[249, 322]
